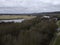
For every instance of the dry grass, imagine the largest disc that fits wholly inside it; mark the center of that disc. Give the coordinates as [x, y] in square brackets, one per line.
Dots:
[16, 17]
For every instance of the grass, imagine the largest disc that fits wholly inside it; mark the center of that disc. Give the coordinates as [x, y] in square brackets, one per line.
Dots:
[58, 23]
[53, 40]
[57, 41]
[16, 17]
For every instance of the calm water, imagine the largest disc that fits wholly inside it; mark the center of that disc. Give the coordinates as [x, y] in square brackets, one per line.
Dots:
[14, 20]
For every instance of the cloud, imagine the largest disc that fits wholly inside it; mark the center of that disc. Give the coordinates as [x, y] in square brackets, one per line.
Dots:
[29, 6]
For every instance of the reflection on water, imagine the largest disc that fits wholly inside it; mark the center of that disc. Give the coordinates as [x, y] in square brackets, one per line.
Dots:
[14, 20]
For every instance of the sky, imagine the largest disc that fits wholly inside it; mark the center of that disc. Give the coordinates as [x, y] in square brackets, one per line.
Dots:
[29, 6]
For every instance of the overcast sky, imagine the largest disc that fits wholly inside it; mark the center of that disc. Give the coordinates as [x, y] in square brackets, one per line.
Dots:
[29, 6]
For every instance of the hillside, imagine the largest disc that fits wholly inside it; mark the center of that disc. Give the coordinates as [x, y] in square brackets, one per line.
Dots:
[41, 13]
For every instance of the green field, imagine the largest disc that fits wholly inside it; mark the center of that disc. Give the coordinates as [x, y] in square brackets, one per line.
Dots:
[16, 17]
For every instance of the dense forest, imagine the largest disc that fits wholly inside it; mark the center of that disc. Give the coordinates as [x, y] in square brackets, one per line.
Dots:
[36, 31]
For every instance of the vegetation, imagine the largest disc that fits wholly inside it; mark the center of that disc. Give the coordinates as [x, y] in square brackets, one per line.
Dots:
[30, 32]
[58, 23]
[57, 38]
[16, 17]
[57, 41]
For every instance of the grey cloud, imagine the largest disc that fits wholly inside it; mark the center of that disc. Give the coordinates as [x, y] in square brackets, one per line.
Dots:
[29, 6]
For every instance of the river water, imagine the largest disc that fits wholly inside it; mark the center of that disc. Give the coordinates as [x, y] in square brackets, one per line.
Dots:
[13, 20]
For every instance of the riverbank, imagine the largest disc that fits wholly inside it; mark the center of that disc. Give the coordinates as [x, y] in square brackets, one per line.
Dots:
[56, 39]
[29, 32]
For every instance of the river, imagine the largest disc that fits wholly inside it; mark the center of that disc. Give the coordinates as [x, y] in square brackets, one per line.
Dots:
[12, 20]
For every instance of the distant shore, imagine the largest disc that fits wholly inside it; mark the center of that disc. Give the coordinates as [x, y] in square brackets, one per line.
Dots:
[8, 17]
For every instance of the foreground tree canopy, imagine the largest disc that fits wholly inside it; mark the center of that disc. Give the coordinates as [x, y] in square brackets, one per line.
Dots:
[31, 32]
